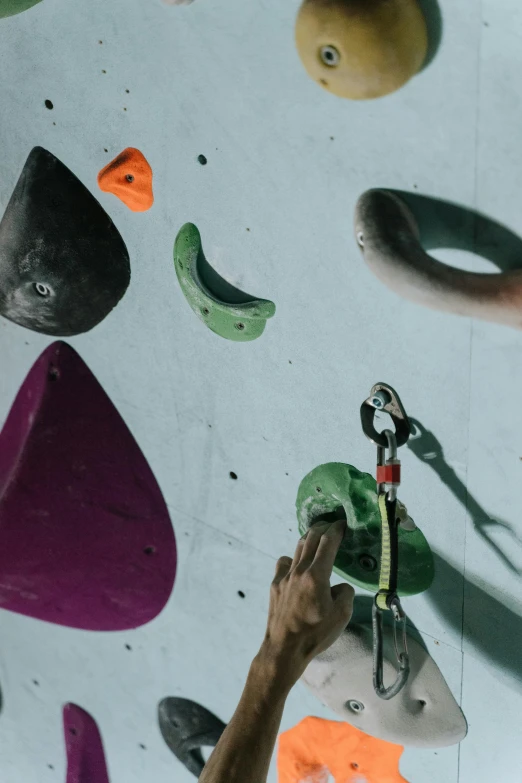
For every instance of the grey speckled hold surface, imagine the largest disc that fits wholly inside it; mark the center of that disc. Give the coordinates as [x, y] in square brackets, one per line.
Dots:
[423, 715]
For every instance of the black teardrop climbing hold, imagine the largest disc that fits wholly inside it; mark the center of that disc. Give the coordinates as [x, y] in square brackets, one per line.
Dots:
[186, 727]
[63, 263]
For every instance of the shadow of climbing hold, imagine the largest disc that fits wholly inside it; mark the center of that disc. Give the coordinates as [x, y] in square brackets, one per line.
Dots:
[223, 308]
[13, 7]
[84, 747]
[86, 539]
[63, 264]
[423, 715]
[361, 50]
[390, 240]
[186, 727]
[309, 751]
[338, 491]
[129, 177]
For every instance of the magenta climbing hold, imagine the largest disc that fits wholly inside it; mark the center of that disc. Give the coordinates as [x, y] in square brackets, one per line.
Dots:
[85, 537]
[83, 743]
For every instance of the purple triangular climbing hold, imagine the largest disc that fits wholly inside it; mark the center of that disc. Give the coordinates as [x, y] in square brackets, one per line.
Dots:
[85, 536]
[85, 756]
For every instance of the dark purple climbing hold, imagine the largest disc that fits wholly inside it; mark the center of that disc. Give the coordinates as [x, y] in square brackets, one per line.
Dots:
[63, 263]
[186, 727]
[85, 756]
[79, 506]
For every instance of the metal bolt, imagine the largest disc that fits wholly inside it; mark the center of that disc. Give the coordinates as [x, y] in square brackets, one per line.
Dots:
[355, 706]
[330, 56]
[367, 562]
[42, 289]
[239, 326]
[360, 238]
[380, 399]
[130, 178]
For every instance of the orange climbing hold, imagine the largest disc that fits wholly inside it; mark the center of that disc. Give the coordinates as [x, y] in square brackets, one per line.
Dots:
[129, 176]
[316, 748]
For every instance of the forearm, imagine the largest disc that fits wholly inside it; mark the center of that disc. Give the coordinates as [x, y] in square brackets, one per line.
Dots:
[243, 753]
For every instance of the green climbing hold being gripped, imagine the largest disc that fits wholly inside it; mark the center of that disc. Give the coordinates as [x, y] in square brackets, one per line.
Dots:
[337, 491]
[226, 310]
[13, 7]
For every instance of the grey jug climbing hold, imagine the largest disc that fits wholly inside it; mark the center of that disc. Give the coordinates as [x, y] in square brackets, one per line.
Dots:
[424, 714]
[186, 727]
[63, 264]
[388, 235]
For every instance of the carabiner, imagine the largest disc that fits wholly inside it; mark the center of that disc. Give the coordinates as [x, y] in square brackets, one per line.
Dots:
[403, 659]
[384, 398]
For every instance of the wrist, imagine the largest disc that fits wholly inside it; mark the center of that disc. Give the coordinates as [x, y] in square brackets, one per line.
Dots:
[275, 670]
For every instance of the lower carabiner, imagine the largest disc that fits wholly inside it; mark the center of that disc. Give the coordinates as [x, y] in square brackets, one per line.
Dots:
[378, 652]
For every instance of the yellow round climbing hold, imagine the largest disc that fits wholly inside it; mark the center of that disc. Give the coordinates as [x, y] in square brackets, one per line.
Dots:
[361, 49]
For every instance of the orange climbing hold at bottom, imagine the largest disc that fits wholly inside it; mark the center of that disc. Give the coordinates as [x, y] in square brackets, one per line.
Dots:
[129, 177]
[315, 748]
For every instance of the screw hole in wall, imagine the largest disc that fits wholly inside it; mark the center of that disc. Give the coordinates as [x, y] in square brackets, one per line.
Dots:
[202, 159]
[128, 647]
[233, 475]
[318, 490]
[239, 326]
[240, 593]
[142, 746]
[48, 104]
[129, 177]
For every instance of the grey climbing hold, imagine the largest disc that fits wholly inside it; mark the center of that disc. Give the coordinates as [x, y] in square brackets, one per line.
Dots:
[63, 263]
[186, 727]
[424, 714]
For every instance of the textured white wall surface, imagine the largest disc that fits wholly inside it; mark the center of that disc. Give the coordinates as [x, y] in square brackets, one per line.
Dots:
[286, 161]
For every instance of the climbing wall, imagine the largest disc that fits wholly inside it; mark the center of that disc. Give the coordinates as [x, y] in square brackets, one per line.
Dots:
[188, 327]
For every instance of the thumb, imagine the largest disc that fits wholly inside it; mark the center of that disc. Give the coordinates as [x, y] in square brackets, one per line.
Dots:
[342, 596]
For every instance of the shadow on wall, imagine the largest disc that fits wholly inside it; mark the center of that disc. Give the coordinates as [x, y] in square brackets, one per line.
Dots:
[490, 627]
[434, 23]
[446, 225]
[428, 449]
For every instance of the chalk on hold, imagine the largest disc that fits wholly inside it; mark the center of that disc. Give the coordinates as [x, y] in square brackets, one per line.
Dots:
[423, 715]
[84, 747]
[316, 747]
[13, 7]
[335, 490]
[129, 177]
[63, 264]
[226, 310]
[361, 49]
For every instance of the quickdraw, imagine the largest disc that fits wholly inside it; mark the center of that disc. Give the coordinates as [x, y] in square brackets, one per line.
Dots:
[384, 398]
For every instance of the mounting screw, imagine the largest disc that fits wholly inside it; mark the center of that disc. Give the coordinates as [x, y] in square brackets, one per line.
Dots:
[367, 562]
[330, 55]
[42, 289]
[355, 706]
[380, 399]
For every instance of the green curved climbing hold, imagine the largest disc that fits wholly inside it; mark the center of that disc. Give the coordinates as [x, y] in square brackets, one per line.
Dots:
[322, 496]
[13, 7]
[225, 309]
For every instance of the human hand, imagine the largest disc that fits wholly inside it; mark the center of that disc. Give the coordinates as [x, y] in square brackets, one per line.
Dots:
[306, 615]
